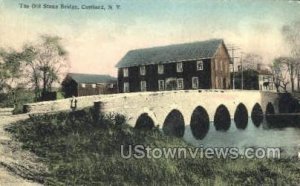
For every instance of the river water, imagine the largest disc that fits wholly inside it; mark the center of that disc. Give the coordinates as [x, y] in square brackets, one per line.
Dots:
[288, 139]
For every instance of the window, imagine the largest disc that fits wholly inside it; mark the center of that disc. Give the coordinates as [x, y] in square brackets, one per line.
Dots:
[195, 82]
[143, 86]
[83, 85]
[111, 85]
[142, 70]
[179, 67]
[126, 87]
[180, 85]
[160, 69]
[216, 65]
[125, 72]
[221, 65]
[161, 85]
[93, 85]
[199, 65]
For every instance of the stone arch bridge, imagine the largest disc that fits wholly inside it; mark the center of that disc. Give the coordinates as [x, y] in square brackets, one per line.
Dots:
[173, 110]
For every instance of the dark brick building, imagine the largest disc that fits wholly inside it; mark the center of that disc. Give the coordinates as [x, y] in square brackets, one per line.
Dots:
[88, 84]
[197, 65]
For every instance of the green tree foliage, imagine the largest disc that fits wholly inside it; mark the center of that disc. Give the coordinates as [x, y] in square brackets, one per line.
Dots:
[10, 69]
[46, 63]
[11, 80]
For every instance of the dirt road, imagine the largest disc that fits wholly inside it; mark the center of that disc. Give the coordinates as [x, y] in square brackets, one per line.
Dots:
[17, 166]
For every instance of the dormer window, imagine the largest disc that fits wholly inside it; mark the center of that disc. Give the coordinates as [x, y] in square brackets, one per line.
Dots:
[179, 67]
[160, 69]
[142, 70]
[199, 65]
[125, 72]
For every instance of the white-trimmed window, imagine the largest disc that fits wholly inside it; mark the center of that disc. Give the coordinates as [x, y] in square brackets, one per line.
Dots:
[126, 87]
[160, 69]
[125, 72]
[161, 85]
[143, 86]
[179, 67]
[195, 82]
[83, 85]
[180, 84]
[142, 70]
[93, 85]
[200, 65]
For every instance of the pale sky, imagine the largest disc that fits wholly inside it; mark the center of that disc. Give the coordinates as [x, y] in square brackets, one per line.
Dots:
[96, 40]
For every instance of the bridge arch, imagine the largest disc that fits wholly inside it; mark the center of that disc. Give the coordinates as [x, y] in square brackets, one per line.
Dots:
[257, 115]
[199, 122]
[144, 122]
[174, 124]
[241, 116]
[270, 110]
[222, 118]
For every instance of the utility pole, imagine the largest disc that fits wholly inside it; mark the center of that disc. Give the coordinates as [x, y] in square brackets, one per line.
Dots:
[242, 68]
[233, 48]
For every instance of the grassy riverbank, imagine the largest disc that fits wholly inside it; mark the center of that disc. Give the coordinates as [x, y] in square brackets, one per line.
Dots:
[78, 151]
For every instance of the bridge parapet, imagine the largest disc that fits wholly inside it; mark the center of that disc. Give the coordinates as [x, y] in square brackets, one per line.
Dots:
[159, 104]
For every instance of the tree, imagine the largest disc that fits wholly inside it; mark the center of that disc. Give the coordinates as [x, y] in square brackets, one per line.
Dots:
[251, 60]
[11, 80]
[10, 69]
[250, 79]
[291, 34]
[280, 73]
[46, 63]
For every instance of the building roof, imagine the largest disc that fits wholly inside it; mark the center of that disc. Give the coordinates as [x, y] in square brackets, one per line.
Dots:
[171, 53]
[91, 78]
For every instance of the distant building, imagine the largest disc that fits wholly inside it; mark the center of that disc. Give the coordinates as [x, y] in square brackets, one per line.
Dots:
[76, 84]
[259, 78]
[265, 81]
[197, 65]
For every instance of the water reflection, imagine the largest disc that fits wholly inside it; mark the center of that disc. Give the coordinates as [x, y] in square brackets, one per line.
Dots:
[222, 118]
[266, 135]
[174, 124]
[257, 115]
[241, 116]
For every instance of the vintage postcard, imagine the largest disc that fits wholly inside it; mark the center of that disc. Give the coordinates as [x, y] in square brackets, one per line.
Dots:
[161, 92]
